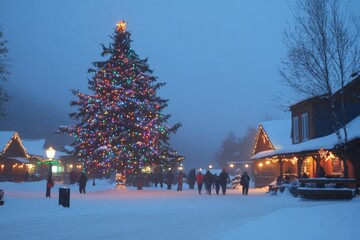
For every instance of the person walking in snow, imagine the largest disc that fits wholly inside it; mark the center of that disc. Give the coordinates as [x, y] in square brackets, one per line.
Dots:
[191, 178]
[180, 181]
[224, 179]
[49, 185]
[82, 182]
[208, 181]
[245, 180]
[169, 179]
[199, 181]
[217, 183]
[161, 178]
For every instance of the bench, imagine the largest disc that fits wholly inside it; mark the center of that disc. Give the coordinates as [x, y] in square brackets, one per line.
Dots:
[327, 188]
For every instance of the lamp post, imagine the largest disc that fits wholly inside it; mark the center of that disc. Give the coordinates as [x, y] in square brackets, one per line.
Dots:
[50, 154]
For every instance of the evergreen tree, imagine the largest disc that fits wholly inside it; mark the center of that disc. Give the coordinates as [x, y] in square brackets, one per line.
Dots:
[3, 75]
[246, 144]
[121, 125]
[229, 151]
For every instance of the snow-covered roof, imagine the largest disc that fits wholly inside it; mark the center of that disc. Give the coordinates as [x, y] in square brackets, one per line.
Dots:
[327, 142]
[34, 147]
[278, 133]
[19, 159]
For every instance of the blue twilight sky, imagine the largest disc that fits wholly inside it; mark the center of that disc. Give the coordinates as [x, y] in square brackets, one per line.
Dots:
[218, 58]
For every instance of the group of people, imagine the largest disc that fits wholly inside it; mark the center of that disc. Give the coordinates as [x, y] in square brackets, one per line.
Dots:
[210, 181]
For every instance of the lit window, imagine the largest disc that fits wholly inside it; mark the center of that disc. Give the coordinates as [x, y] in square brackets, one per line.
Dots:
[296, 129]
[305, 126]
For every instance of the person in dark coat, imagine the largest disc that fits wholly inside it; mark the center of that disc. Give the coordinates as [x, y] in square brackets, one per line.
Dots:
[82, 182]
[245, 180]
[161, 178]
[217, 183]
[208, 181]
[49, 185]
[224, 179]
[199, 181]
[169, 179]
[180, 181]
[191, 179]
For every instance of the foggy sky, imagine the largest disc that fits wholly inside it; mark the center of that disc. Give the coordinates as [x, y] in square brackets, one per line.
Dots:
[218, 58]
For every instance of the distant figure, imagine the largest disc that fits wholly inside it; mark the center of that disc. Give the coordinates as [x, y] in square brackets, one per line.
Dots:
[1, 197]
[180, 181]
[224, 179]
[217, 183]
[140, 181]
[245, 181]
[199, 181]
[82, 182]
[169, 179]
[208, 181]
[161, 178]
[49, 185]
[27, 176]
[155, 178]
[304, 175]
[191, 178]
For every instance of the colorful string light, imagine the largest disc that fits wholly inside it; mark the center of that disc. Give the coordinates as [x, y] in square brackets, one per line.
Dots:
[120, 124]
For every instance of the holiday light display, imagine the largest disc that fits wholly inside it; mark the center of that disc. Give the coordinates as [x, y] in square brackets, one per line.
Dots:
[16, 138]
[266, 143]
[121, 125]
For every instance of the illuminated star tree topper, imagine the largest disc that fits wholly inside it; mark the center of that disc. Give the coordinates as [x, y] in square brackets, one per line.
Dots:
[121, 26]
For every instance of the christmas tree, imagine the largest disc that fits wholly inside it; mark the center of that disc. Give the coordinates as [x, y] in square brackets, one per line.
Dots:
[120, 124]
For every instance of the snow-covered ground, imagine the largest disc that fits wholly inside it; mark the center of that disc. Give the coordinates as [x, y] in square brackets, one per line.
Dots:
[126, 213]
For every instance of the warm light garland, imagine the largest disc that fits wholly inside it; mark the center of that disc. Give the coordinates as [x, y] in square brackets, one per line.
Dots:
[265, 139]
[15, 137]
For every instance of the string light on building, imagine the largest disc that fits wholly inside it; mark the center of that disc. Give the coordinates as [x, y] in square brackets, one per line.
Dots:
[323, 153]
[265, 140]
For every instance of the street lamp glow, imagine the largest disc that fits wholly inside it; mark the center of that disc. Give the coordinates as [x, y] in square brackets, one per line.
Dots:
[50, 153]
[231, 165]
[210, 166]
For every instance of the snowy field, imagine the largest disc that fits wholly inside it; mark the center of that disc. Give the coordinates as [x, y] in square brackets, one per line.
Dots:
[126, 213]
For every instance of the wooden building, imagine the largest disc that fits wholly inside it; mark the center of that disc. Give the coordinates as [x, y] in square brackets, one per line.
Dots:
[25, 160]
[13, 157]
[307, 143]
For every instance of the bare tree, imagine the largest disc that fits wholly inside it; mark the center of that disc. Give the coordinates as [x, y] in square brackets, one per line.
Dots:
[323, 52]
[3, 74]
